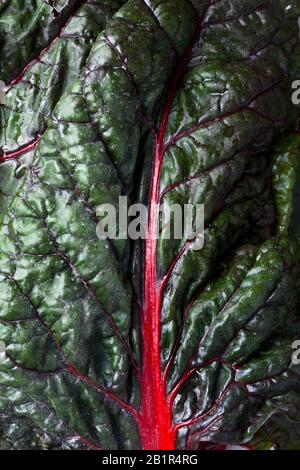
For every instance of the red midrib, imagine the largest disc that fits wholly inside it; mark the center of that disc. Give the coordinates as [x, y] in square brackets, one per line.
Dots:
[155, 424]
[156, 417]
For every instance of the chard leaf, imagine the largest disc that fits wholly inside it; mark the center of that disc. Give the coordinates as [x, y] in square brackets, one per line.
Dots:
[149, 344]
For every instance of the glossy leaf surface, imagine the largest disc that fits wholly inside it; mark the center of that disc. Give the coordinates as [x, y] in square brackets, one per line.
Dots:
[123, 344]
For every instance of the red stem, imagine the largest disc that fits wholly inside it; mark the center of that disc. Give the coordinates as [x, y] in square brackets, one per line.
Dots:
[156, 417]
[13, 154]
[155, 423]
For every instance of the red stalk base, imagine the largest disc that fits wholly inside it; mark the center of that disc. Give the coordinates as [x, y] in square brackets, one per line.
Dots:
[155, 421]
[157, 432]
[156, 413]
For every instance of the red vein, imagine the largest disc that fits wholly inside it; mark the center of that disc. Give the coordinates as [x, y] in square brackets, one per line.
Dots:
[218, 358]
[27, 67]
[244, 108]
[188, 307]
[171, 268]
[14, 154]
[200, 433]
[87, 443]
[86, 284]
[184, 134]
[178, 336]
[69, 366]
[107, 393]
[205, 172]
[188, 374]
[193, 421]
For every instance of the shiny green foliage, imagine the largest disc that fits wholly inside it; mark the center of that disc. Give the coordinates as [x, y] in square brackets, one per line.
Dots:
[70, 330]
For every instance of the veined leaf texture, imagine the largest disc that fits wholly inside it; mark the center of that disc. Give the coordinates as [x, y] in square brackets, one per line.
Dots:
[149, 344]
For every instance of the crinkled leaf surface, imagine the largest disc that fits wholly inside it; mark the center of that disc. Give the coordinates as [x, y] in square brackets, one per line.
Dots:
[116, 344]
